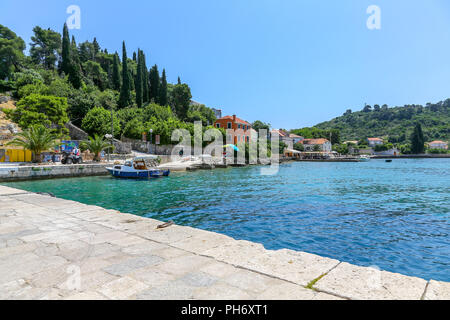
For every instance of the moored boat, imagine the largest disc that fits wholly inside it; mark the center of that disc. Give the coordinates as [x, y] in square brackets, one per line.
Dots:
[136, 169]
[364, 158]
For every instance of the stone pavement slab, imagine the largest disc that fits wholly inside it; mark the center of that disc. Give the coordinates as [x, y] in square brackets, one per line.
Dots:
[437, 290]
[354, 282]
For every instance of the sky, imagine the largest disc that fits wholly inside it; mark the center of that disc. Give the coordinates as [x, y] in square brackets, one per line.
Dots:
[291, 63]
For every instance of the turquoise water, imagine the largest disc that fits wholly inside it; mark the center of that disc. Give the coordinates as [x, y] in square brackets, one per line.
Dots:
[392, 215]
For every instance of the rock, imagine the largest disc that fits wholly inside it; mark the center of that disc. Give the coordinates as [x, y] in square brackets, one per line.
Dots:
[12, 128]
[4, 99]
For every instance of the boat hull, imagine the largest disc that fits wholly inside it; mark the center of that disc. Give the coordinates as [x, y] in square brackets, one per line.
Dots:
[142, 174]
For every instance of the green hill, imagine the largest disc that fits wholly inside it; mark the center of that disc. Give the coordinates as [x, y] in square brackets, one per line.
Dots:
[395, 123]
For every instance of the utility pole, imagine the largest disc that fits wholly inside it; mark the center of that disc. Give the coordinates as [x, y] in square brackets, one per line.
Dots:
[151, 141]
[111, 136]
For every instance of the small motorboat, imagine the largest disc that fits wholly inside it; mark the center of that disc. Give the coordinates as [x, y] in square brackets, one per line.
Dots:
[389, 160]
[136, 169]
[364, 158]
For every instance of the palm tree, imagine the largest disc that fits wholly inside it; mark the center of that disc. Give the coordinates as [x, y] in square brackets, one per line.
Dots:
[96, 145]
[37, 138]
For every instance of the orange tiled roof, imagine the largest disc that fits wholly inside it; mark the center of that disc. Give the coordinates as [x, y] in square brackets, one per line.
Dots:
[314, 141]
[238, 120]
[374, 139]
[438, 141]
[281, 133]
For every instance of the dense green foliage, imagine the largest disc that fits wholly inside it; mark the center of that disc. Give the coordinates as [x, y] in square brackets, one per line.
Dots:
[396, 124]
[98, 121]
[11, 52]
[258, 125]
[61, 81]
[37, 109]
[333, 135]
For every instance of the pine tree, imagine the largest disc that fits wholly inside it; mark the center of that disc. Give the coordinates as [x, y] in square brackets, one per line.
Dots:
[163, 89]
[417, 140]
[125, 91]
[139, 81]
[116, 73]
[154, 83]
[75, 68]
[65, 53]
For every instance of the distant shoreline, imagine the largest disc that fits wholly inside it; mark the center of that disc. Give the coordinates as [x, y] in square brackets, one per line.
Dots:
[415, 156]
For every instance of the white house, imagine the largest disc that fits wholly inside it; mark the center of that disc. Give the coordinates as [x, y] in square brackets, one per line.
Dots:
[283, 136]
[324, 144]
[374, 142]
[438, 145]
[295, 138]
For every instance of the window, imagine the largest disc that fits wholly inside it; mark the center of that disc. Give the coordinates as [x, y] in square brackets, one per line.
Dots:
[239, 126]
[248, 138]
[229, 125]
[239, 138]
[217, 125]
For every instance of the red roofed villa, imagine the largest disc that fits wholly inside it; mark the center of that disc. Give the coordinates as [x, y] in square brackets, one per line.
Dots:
[241, 133]
[374, 142]
[438, 145]
[324, 144]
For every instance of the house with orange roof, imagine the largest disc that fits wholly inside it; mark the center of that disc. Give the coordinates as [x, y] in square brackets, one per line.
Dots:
[438, 144]
[374, 142]
[238, 130]
[310, 144]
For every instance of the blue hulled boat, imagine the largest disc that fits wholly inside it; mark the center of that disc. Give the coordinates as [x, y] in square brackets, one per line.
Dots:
[136, 169]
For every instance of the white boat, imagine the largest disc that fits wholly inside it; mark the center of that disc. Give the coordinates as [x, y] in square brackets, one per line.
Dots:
[364, 158]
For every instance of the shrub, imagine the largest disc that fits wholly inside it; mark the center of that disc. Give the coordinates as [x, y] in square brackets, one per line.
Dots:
[37, 109]
[98, 121]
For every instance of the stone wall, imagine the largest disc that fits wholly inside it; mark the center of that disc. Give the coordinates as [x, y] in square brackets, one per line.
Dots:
[15, 173]
[144, 147]
[75, 132]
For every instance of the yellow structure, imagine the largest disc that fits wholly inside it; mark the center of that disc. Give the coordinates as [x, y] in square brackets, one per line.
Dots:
[15, 155]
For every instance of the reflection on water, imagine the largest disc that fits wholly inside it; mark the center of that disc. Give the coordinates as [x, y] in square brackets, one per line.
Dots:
[393, 215]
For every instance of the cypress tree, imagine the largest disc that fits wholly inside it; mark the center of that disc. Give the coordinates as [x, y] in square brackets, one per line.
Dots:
[96, 46]
[65, 54]
[417, 140]
[154, 83]
[134, 56]
[179, 80]
[125, 91]
[145, 80]
[116, 73]
[75, 68]
[139, 81]
[163, 89]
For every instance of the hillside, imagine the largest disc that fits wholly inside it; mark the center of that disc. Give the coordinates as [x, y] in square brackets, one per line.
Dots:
[6, 125]
[395, 123]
